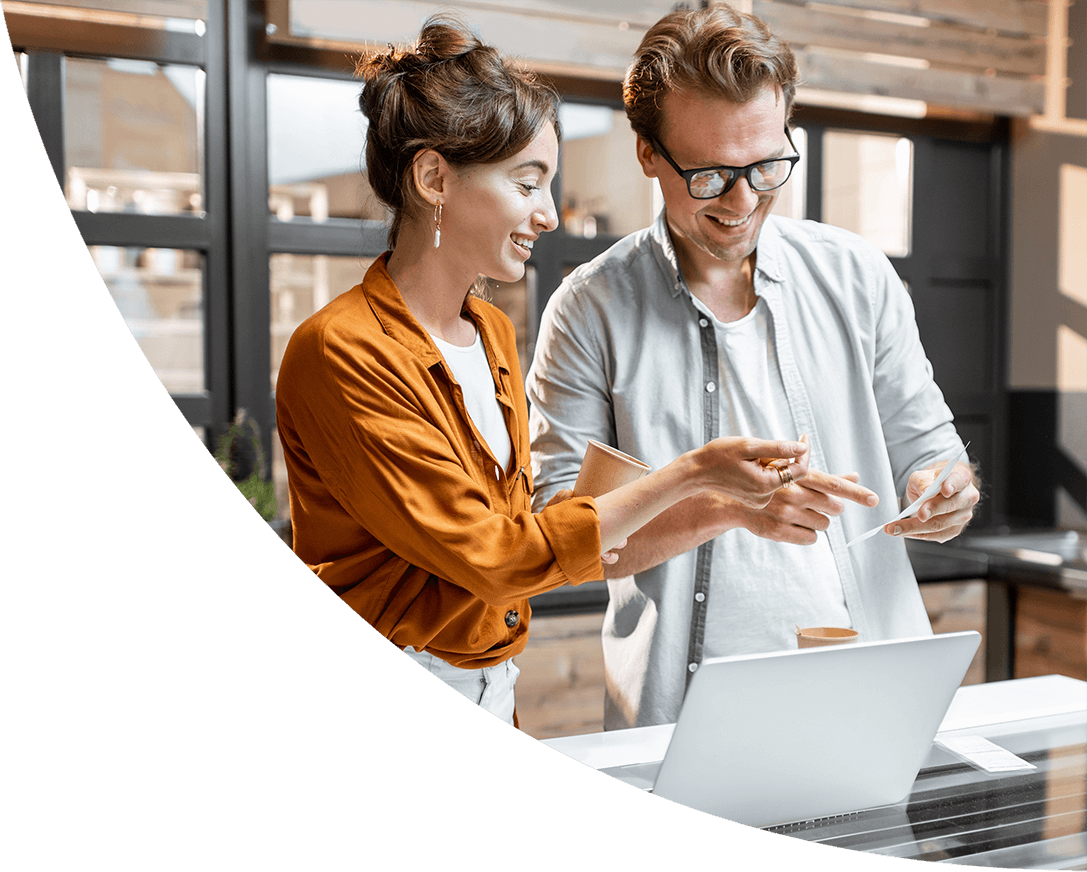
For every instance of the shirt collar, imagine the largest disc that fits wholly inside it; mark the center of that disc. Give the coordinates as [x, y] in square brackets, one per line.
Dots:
[769, 248]
[666, 254]
[401, 325]
[768, 262]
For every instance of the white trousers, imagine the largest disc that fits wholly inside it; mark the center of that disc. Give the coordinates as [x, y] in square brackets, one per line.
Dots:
[490, 688]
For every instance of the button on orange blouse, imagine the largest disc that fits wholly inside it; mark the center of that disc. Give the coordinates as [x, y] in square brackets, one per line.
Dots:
[393, 494]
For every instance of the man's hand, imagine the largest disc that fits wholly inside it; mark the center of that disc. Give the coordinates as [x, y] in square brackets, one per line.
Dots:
[797, 514]
[945, 515]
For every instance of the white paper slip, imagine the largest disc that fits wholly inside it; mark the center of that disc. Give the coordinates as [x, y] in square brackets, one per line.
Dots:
[930, 492]
[984, 754]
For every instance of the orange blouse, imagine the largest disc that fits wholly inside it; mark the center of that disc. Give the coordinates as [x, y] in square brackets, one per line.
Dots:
[396, 501]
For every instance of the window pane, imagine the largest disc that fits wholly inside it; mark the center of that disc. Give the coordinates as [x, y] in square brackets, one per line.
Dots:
[603, 187]
[316, 149]
[133, 136]
[791, 201]
[159, 291]
[868, 187]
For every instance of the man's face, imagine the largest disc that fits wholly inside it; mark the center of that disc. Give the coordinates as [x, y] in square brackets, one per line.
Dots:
[699, 130]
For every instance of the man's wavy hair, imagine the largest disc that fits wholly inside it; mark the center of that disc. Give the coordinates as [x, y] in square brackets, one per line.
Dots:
[716, 51]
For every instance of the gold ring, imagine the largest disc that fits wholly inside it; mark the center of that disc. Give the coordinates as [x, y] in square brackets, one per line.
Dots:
[785, 476]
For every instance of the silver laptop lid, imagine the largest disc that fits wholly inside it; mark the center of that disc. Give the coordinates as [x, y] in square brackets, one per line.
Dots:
[765, 739]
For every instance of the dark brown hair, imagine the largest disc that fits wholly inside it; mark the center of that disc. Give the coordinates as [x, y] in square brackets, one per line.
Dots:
[716, 50]
[448, 92]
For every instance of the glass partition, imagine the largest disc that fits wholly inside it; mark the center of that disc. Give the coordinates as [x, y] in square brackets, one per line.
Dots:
[868, 187]
[791, 202]
[133, 136]
[316, 150]
[178, 15]
[604, 190]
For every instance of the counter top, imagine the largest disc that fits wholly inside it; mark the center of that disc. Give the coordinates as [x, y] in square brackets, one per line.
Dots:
[955, 812]
[1052, 558]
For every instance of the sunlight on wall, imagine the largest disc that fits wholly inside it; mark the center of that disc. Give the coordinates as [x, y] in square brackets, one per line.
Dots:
[1071, 360]
[1072, 275]
[1072, 253]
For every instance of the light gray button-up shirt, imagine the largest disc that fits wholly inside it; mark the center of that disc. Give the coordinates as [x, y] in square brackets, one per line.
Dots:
[624, 356]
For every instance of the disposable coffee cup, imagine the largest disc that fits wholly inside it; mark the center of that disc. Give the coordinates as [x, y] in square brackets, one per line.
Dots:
[605, 468]
[817, 637]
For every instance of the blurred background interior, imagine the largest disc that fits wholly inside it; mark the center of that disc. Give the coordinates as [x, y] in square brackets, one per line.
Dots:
[211, 153]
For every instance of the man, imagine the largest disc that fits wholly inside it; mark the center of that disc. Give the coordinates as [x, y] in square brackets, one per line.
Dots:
[721, 319]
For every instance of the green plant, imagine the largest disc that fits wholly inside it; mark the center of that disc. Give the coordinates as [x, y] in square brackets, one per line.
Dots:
[241, 455]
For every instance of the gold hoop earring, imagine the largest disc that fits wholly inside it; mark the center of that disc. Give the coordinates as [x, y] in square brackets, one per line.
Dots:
[437, 224]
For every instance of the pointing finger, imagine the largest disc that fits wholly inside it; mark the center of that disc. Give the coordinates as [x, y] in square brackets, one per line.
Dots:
[843, 486]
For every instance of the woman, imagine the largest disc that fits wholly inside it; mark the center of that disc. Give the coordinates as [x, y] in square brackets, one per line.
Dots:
[400, 405]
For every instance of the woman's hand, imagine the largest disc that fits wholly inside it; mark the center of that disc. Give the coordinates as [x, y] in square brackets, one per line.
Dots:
[748, 470]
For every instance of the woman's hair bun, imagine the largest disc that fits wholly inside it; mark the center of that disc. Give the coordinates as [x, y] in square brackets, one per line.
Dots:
[443, 39]
[449, 92]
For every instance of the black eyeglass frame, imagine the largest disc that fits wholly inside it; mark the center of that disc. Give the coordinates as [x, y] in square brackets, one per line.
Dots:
[733, 174]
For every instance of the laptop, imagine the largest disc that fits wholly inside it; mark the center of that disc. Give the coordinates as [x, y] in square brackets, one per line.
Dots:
[769, 739]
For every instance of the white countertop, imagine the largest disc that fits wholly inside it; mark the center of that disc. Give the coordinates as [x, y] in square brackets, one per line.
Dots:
[974, 706]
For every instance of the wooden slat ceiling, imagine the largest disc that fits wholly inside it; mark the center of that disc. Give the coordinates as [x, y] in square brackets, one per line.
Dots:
[978, 55]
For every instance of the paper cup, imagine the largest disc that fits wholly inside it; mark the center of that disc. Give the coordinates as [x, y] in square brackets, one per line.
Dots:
[816, 637]
[604, 469]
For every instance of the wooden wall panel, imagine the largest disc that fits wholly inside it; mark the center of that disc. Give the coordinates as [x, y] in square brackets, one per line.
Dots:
[1012, 16]
[976, 55]
[942, 44]
[999, 95]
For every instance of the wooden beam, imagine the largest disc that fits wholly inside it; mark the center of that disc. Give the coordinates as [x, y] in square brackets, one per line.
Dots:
[93, 38]
[1006, 16]
[939, 44]
[855, 75]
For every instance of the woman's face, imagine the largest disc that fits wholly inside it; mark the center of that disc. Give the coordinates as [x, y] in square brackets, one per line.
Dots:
[493, 213]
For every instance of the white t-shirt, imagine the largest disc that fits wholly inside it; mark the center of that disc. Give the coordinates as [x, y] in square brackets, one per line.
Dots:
[799, 583]
[473, 374]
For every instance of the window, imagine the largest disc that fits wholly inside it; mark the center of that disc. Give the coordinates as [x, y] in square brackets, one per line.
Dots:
[791, 201]
[604, 191]
[868, 187]
[316, 150]
[132, 111]
[133, 136]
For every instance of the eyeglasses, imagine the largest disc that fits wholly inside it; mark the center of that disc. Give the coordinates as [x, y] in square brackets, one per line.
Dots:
[705, 183]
